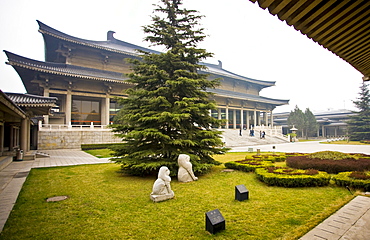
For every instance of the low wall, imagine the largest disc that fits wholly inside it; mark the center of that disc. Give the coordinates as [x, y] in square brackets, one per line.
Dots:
[72, 139]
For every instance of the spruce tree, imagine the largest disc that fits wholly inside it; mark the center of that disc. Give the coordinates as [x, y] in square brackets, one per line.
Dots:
[167, 111]
[296, 119]
[310, 123]
[359, 123]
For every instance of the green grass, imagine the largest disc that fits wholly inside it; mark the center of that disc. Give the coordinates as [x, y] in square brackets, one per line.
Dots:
[104, 204]
[100, 153]
[345, 142]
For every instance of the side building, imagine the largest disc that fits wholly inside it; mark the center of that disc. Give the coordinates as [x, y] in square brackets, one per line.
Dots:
[330, 123]
[86, 76]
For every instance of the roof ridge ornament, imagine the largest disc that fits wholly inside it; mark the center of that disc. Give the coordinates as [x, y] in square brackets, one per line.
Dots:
[219, 64]
[110, 35]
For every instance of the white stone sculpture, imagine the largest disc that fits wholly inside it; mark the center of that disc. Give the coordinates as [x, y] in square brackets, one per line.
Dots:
[162, 188]
[185, 173]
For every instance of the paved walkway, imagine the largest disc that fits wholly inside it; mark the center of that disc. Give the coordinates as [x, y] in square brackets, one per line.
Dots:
[306, 147]
[352, 222]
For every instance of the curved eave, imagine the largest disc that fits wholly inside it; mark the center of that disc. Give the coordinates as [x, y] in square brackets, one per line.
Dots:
[342, 27]
[247, 97]
[56, 69]
[228, 74]
[45, 29]
[114, 45]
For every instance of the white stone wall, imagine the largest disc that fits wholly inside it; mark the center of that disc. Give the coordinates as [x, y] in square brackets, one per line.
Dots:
[73, 139]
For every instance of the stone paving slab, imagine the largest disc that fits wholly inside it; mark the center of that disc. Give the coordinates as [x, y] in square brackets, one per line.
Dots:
[352, 221]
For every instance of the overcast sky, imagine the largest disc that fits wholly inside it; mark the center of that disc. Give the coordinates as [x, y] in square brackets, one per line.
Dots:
[248, 41]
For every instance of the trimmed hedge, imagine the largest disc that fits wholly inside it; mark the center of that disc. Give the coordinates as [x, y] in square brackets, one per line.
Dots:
[269, 157]
[248, 165]
[344, 179]
[292, 178]
[330, 166]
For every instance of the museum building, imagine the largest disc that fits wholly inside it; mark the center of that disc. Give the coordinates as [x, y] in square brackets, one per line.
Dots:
[86, 77]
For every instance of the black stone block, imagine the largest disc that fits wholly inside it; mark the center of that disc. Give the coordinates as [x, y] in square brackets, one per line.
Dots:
[241, 193]
[215, 222]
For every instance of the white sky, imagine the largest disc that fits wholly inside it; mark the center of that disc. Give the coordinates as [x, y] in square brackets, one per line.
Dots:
[248, 40]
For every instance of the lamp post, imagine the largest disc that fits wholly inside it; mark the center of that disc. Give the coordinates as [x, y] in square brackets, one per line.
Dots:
[294, 134]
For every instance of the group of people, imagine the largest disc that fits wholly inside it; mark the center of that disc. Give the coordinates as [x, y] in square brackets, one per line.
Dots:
[251, 133]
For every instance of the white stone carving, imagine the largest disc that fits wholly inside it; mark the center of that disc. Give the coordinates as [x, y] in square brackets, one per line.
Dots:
[185, 173]
[161, 187]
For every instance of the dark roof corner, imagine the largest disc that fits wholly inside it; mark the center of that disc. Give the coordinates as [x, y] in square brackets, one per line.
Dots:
[219, 64]
[110, 35]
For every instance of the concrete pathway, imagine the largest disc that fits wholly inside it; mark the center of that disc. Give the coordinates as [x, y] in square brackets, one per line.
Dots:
[352, 222]
[14, 175]
[306, 147]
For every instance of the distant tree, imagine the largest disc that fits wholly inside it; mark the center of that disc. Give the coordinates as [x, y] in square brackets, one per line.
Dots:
[359, 124]
[310, 124]
[296, 119]
[305, 122]
[166, 112]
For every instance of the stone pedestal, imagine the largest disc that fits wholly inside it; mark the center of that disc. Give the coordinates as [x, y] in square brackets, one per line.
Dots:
[215, 222]
[241, 193]
[160, 198]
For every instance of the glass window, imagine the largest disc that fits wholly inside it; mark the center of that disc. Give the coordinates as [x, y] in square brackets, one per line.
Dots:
[85, 112]
[114, 108]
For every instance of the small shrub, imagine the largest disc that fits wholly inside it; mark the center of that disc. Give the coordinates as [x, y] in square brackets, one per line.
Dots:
[248, 165]
[329, 155]
[351, 179]
[295, 178]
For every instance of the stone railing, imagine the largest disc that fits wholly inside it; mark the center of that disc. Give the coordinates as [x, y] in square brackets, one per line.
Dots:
[65, 127]
[271, 131]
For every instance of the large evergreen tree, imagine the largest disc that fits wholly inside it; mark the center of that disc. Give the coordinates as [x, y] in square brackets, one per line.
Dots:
[359, 124]
[167, 111]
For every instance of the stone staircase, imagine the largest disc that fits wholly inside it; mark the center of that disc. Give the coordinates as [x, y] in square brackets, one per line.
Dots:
[233, 139]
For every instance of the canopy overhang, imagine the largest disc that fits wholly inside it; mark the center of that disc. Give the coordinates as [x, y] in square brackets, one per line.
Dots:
[342, 27]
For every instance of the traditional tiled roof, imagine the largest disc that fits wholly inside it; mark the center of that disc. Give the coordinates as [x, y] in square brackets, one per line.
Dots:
[28, 100]
[65, 69]
[249, 97]
[118, 46]
[11, 106]
[342, 27]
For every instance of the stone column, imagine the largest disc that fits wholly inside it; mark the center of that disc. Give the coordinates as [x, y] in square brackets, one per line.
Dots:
[105, 111]
[323, 131]
[24, 135]
[46, 94]
[247, 116]
[255, 118]
[272, 119]
[242, 118]
[259, 118]
[68, 107]
[234, 119]
[227, 117]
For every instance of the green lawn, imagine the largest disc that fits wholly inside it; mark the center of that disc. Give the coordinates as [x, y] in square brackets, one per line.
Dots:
[345, 142]
[105, 204]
